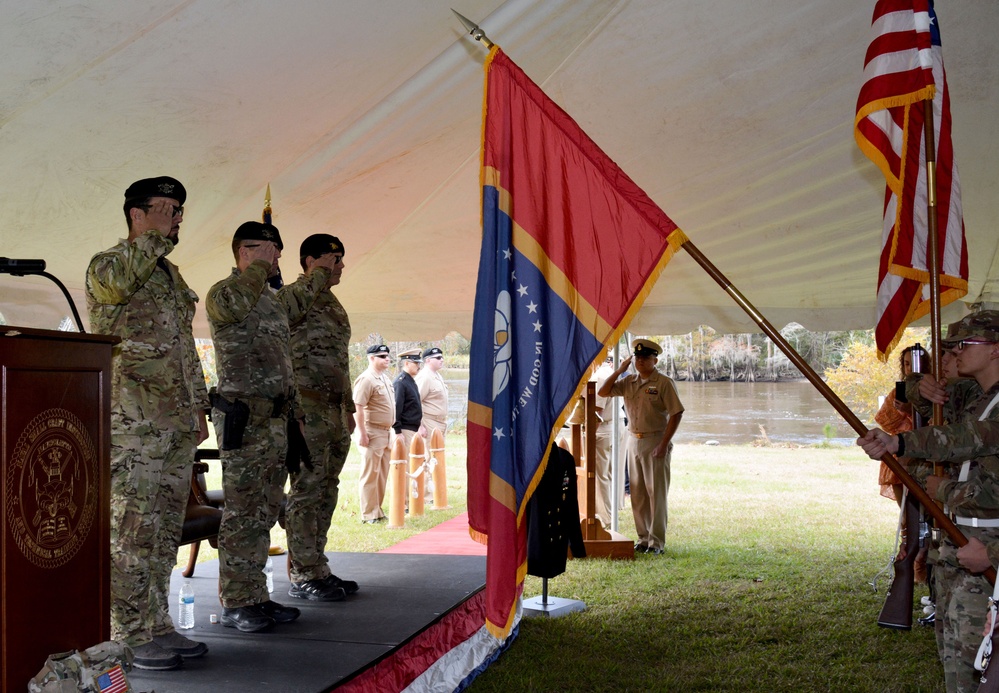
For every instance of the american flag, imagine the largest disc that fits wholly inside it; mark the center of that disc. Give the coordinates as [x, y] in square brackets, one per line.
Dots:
[904, 66]
[113, 681]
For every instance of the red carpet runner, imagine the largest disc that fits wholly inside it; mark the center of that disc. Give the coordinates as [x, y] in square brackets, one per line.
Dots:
[448, 538]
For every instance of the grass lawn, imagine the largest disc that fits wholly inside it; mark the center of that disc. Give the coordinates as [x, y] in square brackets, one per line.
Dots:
[763, 587]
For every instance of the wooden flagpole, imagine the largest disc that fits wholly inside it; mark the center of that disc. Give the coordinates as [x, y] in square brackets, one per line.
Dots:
[943, 522]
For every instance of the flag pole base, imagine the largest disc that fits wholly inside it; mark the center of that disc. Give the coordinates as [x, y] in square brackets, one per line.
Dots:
[552, 607]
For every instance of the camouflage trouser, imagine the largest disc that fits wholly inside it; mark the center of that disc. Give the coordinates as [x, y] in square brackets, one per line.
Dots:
[374, 473]
[253, 481]
[313, 496]
[961, 607]
[150, 482]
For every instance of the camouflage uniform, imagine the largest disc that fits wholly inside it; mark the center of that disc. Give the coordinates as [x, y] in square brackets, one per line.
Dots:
[320, 337]
[157, 394]
[250, 329]
[960, 596]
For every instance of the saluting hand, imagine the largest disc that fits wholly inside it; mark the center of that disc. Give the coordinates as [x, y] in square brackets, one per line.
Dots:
[265, 250]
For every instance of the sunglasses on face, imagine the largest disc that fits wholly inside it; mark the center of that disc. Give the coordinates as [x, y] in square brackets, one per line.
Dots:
[968, 342]
[381, 356]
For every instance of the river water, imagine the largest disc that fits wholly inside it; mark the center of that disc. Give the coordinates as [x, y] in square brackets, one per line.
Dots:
[732, 413]
[729, 413]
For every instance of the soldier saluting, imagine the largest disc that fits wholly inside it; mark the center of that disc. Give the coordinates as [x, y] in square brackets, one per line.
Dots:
[158, 406]
[320, 337]
[256, 398]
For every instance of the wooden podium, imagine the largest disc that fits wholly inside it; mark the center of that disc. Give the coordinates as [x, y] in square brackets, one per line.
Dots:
[599, 541]
[55, 439]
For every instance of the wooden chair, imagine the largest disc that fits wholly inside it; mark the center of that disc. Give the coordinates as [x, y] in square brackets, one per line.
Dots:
[204, 511]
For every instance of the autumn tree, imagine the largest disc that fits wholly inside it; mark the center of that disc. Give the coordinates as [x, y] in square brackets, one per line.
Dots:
[860, 379]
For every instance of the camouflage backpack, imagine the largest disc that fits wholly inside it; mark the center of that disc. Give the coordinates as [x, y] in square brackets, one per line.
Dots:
[95, 670]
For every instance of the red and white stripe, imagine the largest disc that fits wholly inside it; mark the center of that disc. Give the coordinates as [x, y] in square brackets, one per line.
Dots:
[904, 66]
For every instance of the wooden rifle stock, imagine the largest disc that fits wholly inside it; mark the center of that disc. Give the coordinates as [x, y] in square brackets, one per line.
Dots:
[897, 610]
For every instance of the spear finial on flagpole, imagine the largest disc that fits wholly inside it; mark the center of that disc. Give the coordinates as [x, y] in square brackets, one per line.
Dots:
[473, 30]
[267, 205]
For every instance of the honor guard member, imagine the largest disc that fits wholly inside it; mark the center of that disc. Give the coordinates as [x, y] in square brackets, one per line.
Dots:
[969, 443]
[251, 410]
[654, 412]
[320, 337]
[433, 392]
[408, 409]
[158, 407]
[374, 402]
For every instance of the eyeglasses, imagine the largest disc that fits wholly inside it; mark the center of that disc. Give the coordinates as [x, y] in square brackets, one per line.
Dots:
[968, 342]
[381, 356]
[178, 210]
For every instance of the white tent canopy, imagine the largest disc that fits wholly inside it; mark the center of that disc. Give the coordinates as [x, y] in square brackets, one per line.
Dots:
[364, 117]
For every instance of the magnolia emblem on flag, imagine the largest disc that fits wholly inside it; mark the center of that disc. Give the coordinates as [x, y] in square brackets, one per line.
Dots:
[570, 247]
[503, 349]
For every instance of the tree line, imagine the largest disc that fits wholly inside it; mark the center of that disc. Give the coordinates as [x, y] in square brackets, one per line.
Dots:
[847, 359]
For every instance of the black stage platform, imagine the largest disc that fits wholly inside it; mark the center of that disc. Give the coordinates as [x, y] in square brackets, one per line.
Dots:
[400, 595]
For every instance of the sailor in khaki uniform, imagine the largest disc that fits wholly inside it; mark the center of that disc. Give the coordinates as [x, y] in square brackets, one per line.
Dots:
[374, 400]
[433, 391]
[654, 412]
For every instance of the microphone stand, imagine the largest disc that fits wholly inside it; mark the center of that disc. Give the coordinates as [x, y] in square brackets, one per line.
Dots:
[62, 287]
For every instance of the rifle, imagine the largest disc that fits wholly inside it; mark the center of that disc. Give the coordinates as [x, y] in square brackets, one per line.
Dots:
[897, 610]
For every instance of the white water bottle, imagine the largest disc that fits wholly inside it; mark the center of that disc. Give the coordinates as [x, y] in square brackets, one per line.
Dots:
[186, 616]
[269, 574]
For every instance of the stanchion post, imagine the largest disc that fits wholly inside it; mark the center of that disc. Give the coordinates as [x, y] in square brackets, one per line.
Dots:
[439, 471]
[415, 482]
[397, 484]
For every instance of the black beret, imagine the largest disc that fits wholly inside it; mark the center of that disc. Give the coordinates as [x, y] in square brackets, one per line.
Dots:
[378, 349]
[258, 231]
[163, 186]
[319, 244]
[432, 352]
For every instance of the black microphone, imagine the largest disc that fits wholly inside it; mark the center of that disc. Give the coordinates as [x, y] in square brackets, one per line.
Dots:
[21, 267]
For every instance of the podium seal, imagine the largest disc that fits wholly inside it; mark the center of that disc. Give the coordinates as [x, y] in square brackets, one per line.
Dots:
[52, 488]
